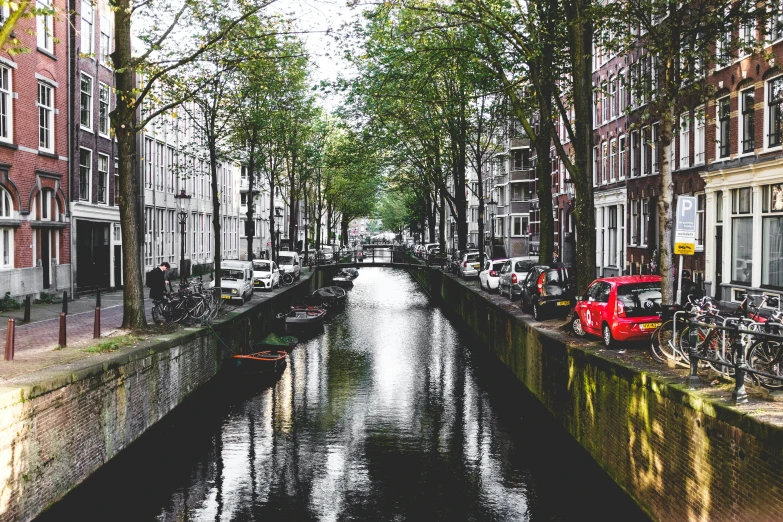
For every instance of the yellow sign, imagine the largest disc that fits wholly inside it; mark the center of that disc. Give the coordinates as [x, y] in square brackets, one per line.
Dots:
[684, 249]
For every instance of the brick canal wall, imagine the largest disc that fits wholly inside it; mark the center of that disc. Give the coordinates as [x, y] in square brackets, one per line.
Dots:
[679, 455]
[59, 426]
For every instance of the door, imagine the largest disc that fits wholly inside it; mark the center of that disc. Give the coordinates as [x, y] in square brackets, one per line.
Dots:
[117, 266]
[46, 258]
[718, 260]
[598, 307]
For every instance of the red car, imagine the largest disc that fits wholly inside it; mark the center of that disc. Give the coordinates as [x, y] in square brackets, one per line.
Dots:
[619, 308]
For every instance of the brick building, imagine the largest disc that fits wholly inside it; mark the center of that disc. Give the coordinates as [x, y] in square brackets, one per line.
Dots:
[95, 215]
[35, 251]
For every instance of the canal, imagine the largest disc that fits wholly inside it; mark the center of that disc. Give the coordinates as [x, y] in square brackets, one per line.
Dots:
[391, 414]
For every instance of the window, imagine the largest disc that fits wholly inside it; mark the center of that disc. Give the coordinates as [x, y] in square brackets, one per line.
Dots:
[772, 236]
[636, 223]
[701, 203]
[775, 111]
[604, 162]
[517, 226]
[685, 136]
[612, 229]
[597, 109]
[723, 49]
[44, 25]
[6, 233]
[699, 138]
[596, 166]
[6, 101]
[116, 182]
[612, 160]
[621, 157]
[45, 117]
[724, 120]
[742, 235]
[6, 207]
[105, 40]
[647, 151]
[159, 240]
[636, 153]
[149, 153]
[103, 109]
[172, 166]
[645, 228]
[159, 166]
[747, 35]
[148, 236]
[87, 27]
[85, 173]
[613, 97]
[747, 120]
[171, 227]
[654, 148]
[86, 99]
[103, 178]
[622, 95]
[605, 101]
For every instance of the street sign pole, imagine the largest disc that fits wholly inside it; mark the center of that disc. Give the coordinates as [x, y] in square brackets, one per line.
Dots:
[684, 234]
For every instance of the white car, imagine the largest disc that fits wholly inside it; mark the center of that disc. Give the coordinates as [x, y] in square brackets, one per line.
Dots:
[513, 273]
[265, 274]
[236, 280]
[289, 263]
[489, 278]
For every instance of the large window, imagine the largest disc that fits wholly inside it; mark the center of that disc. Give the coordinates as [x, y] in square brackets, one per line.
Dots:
[636, 223]
[698, 139]
[604, 162]
[86, 100]
[621, 157]
[644, 232]
[149, 154]
[775, 112]
[612, 230]
[613, 160]
[85, 173]
[685, 137]
[105, 40]
[647, 151]
[772, 236]
[742, 235]
[45, 117]
[6, 233]
[6, 104]
[44, 25]
[724, 121]
[622, 95]
[613, 97]
[103, 109]
[747, 121]
[171, 228]
[636, 152]
[87, 27]
[103, 178]
[148, 216]
[701, 203]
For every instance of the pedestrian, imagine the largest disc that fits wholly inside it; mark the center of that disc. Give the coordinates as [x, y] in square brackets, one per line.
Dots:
[156, 281]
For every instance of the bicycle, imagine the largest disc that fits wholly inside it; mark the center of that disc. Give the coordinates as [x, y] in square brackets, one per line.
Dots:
[286, 279]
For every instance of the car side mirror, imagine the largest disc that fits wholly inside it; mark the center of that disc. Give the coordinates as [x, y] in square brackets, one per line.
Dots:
[578, 298]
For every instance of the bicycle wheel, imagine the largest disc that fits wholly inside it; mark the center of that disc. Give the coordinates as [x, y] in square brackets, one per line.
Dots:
[766, 356]
[655, 351]
[287, 279]
[662, 345]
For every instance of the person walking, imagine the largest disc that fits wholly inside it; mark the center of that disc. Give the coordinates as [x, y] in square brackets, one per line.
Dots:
[156, 281]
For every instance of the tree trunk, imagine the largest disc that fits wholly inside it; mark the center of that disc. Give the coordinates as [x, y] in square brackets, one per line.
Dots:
[580, 35]
[343, 231]
[272, 235]
[124, 119]
[215, 212]
[664, 203]
[250, 232]
[544, 187]
[442, 223]
[430, 219]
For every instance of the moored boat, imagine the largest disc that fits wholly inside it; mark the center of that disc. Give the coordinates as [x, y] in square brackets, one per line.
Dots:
[264, 363]
[331, 298]
[302, 317]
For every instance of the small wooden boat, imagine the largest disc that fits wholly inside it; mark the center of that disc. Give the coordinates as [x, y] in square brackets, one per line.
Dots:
[331, 298]
[301, 317]
[264, 363]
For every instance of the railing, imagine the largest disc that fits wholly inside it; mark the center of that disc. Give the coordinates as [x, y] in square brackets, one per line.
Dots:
[500, 211]
[518, 143]
[522, 175]
[519, 207]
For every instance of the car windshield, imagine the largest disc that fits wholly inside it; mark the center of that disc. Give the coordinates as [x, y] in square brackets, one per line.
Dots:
[524, 266]
[642, 298]
[285, 260]
[262, 266]
[232, 275]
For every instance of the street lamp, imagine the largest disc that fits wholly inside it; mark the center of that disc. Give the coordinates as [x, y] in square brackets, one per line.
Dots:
[183, 202]
[306, 247]
[278, 217]
[492, 205]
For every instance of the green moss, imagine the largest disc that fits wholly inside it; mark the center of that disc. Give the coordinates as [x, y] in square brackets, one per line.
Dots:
[113, 344]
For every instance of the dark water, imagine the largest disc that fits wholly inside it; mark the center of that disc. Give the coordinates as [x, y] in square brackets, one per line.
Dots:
[388, 415]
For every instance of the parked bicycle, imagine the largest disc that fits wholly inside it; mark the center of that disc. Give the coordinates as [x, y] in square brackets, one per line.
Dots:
[286, 279]
[191, 303]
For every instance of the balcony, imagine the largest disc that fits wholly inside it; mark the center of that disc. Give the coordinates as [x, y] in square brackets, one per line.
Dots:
[500, 211]
[501, 179]
[519, 143]
[519, 207]
[522, 175]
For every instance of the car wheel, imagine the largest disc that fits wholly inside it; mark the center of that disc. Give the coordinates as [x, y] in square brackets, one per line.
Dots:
[576, 326]
[607, 336]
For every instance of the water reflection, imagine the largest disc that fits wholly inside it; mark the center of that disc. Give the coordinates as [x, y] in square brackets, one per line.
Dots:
[386, 416]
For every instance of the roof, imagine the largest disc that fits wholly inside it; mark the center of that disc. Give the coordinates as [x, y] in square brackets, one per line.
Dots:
[624, 280]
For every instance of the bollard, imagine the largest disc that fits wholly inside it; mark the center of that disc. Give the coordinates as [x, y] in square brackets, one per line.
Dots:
[10, 339]
[96, 329]
[27, 302]
[739, 395]
[98, 298]
[693, 341]
[65, 302]
[62, 340]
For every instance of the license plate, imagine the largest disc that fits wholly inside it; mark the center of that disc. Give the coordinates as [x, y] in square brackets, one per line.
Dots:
[649, 326]
[563, 303]
[226, 297]
[476, 265]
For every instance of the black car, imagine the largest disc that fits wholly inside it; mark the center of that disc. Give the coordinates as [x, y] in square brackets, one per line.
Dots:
[548, 290]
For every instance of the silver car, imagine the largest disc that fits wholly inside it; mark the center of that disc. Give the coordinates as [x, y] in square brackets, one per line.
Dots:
[512, 275]
[470, 265]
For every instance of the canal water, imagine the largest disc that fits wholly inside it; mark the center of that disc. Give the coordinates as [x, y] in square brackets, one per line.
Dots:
[391, 414]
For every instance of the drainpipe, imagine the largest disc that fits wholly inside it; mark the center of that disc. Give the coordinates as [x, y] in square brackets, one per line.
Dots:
[69, 162]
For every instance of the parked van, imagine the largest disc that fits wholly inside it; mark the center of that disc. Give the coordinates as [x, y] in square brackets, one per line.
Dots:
[289, 263]
[236, 280]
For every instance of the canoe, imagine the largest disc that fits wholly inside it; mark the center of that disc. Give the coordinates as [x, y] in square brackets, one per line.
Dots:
[266, 362]
[331, 298]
